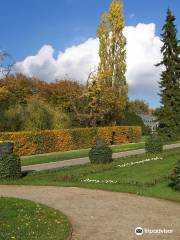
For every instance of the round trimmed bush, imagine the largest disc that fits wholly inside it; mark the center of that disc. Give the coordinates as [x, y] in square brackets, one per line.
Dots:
[154, 145]
[100, 154]
[10, 166]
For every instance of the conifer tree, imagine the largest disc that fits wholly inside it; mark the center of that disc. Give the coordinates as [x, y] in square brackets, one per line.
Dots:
[169, 114]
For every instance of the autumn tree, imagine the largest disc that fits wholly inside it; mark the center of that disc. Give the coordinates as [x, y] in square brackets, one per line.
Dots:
[138, 106]
[169, 113]
[112, 67]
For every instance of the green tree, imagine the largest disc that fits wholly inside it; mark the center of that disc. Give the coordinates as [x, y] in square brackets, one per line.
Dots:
[110, 88]
[169, 113]
[138, 106]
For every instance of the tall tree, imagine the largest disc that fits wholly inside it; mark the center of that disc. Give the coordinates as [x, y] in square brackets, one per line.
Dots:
[111, 78]
[169, 114]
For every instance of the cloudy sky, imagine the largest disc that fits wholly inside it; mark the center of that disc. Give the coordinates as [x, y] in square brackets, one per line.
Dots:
[53, 39]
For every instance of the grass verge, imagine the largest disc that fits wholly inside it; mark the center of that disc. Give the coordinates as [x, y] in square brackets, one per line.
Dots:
[60, 156]
[23, 219]
[149, 179]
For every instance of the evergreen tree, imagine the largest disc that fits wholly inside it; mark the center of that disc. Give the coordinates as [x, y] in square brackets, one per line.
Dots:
[169, 114]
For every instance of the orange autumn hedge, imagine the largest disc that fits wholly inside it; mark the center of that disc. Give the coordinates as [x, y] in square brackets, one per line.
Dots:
[29, 143]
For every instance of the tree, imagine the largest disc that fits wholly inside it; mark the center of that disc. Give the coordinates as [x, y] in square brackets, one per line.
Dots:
[138, 106]
[169, 113]
[110, 82]
[5, 70]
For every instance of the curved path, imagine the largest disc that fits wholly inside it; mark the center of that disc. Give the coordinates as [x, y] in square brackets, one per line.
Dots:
[101, 215]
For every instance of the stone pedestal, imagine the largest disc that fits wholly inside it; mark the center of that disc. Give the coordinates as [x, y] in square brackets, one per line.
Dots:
[6, 148]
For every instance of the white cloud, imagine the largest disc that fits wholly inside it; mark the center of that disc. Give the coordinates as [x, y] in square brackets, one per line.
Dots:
[143, 52]
[75, 62]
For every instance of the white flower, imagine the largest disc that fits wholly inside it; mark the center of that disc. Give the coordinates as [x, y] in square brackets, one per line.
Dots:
[140, 162]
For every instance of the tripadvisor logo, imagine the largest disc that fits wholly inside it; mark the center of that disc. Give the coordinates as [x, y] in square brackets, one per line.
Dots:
[139, 231]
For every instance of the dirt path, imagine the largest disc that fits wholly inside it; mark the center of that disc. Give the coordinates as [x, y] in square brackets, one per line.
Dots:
[85, 160]
[101, 215]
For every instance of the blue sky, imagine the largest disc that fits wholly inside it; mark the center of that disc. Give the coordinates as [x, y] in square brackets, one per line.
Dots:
[27, 25]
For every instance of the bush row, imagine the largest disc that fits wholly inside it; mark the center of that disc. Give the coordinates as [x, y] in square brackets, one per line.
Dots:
[29, 143]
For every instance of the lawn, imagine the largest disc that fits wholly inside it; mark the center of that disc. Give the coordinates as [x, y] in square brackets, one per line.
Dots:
[148, 179]
[23, 219]
[60, 156]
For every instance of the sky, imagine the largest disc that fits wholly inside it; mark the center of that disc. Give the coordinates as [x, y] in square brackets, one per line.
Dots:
[53, 39]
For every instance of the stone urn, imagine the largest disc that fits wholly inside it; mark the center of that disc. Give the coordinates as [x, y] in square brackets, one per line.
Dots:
[6, 147]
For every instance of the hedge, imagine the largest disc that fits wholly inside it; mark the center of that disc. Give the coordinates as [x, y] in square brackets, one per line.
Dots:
[30, 143]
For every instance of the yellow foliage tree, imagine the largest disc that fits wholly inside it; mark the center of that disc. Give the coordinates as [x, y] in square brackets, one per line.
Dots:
[4, 93]
[110, 79]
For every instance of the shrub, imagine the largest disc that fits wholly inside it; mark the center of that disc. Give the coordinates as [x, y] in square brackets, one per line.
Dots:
[100, 154]
[176, 177]
[10, 166]
[154, 145]
[29, 143]
[132, 119]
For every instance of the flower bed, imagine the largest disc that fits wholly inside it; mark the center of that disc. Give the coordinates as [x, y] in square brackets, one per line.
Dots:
[140, 162]
[110, 181]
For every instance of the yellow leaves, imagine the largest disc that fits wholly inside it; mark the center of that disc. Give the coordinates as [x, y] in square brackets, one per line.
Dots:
[4, 93]
[116, 17]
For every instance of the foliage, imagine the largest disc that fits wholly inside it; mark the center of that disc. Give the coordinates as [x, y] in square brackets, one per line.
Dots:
[108, 90]
[100, 154]
[10, 166]
[35, 115]
[154, 145]
[169, 113]
[23, 219]
[29, 143]
[31, 104]
[176, 177]
[132, 119]
[138, 106]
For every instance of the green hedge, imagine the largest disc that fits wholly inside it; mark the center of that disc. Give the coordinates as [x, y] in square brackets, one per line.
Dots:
[29, 143]
[176, 177]
[10, 166]
[154, 145]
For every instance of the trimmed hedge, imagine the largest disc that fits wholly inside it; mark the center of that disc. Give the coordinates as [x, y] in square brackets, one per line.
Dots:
[176, 177]
[29, 143]
[154, 145]
[10, 166]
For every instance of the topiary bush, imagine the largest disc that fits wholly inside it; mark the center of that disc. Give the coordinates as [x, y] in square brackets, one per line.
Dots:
[100, 154]
[10, 166]
[176, 177]
[154, 145]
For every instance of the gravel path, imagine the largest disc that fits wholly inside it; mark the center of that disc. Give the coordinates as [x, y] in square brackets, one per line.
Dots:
[102, 215]
[85, 160]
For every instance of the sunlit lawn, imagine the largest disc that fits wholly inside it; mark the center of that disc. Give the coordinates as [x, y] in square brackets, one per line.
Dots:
[149, 179]
[60, 156]
[22, 219]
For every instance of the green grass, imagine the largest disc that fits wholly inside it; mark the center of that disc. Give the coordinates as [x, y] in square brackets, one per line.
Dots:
[60, 156]
[148, 179]
[23, 219]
